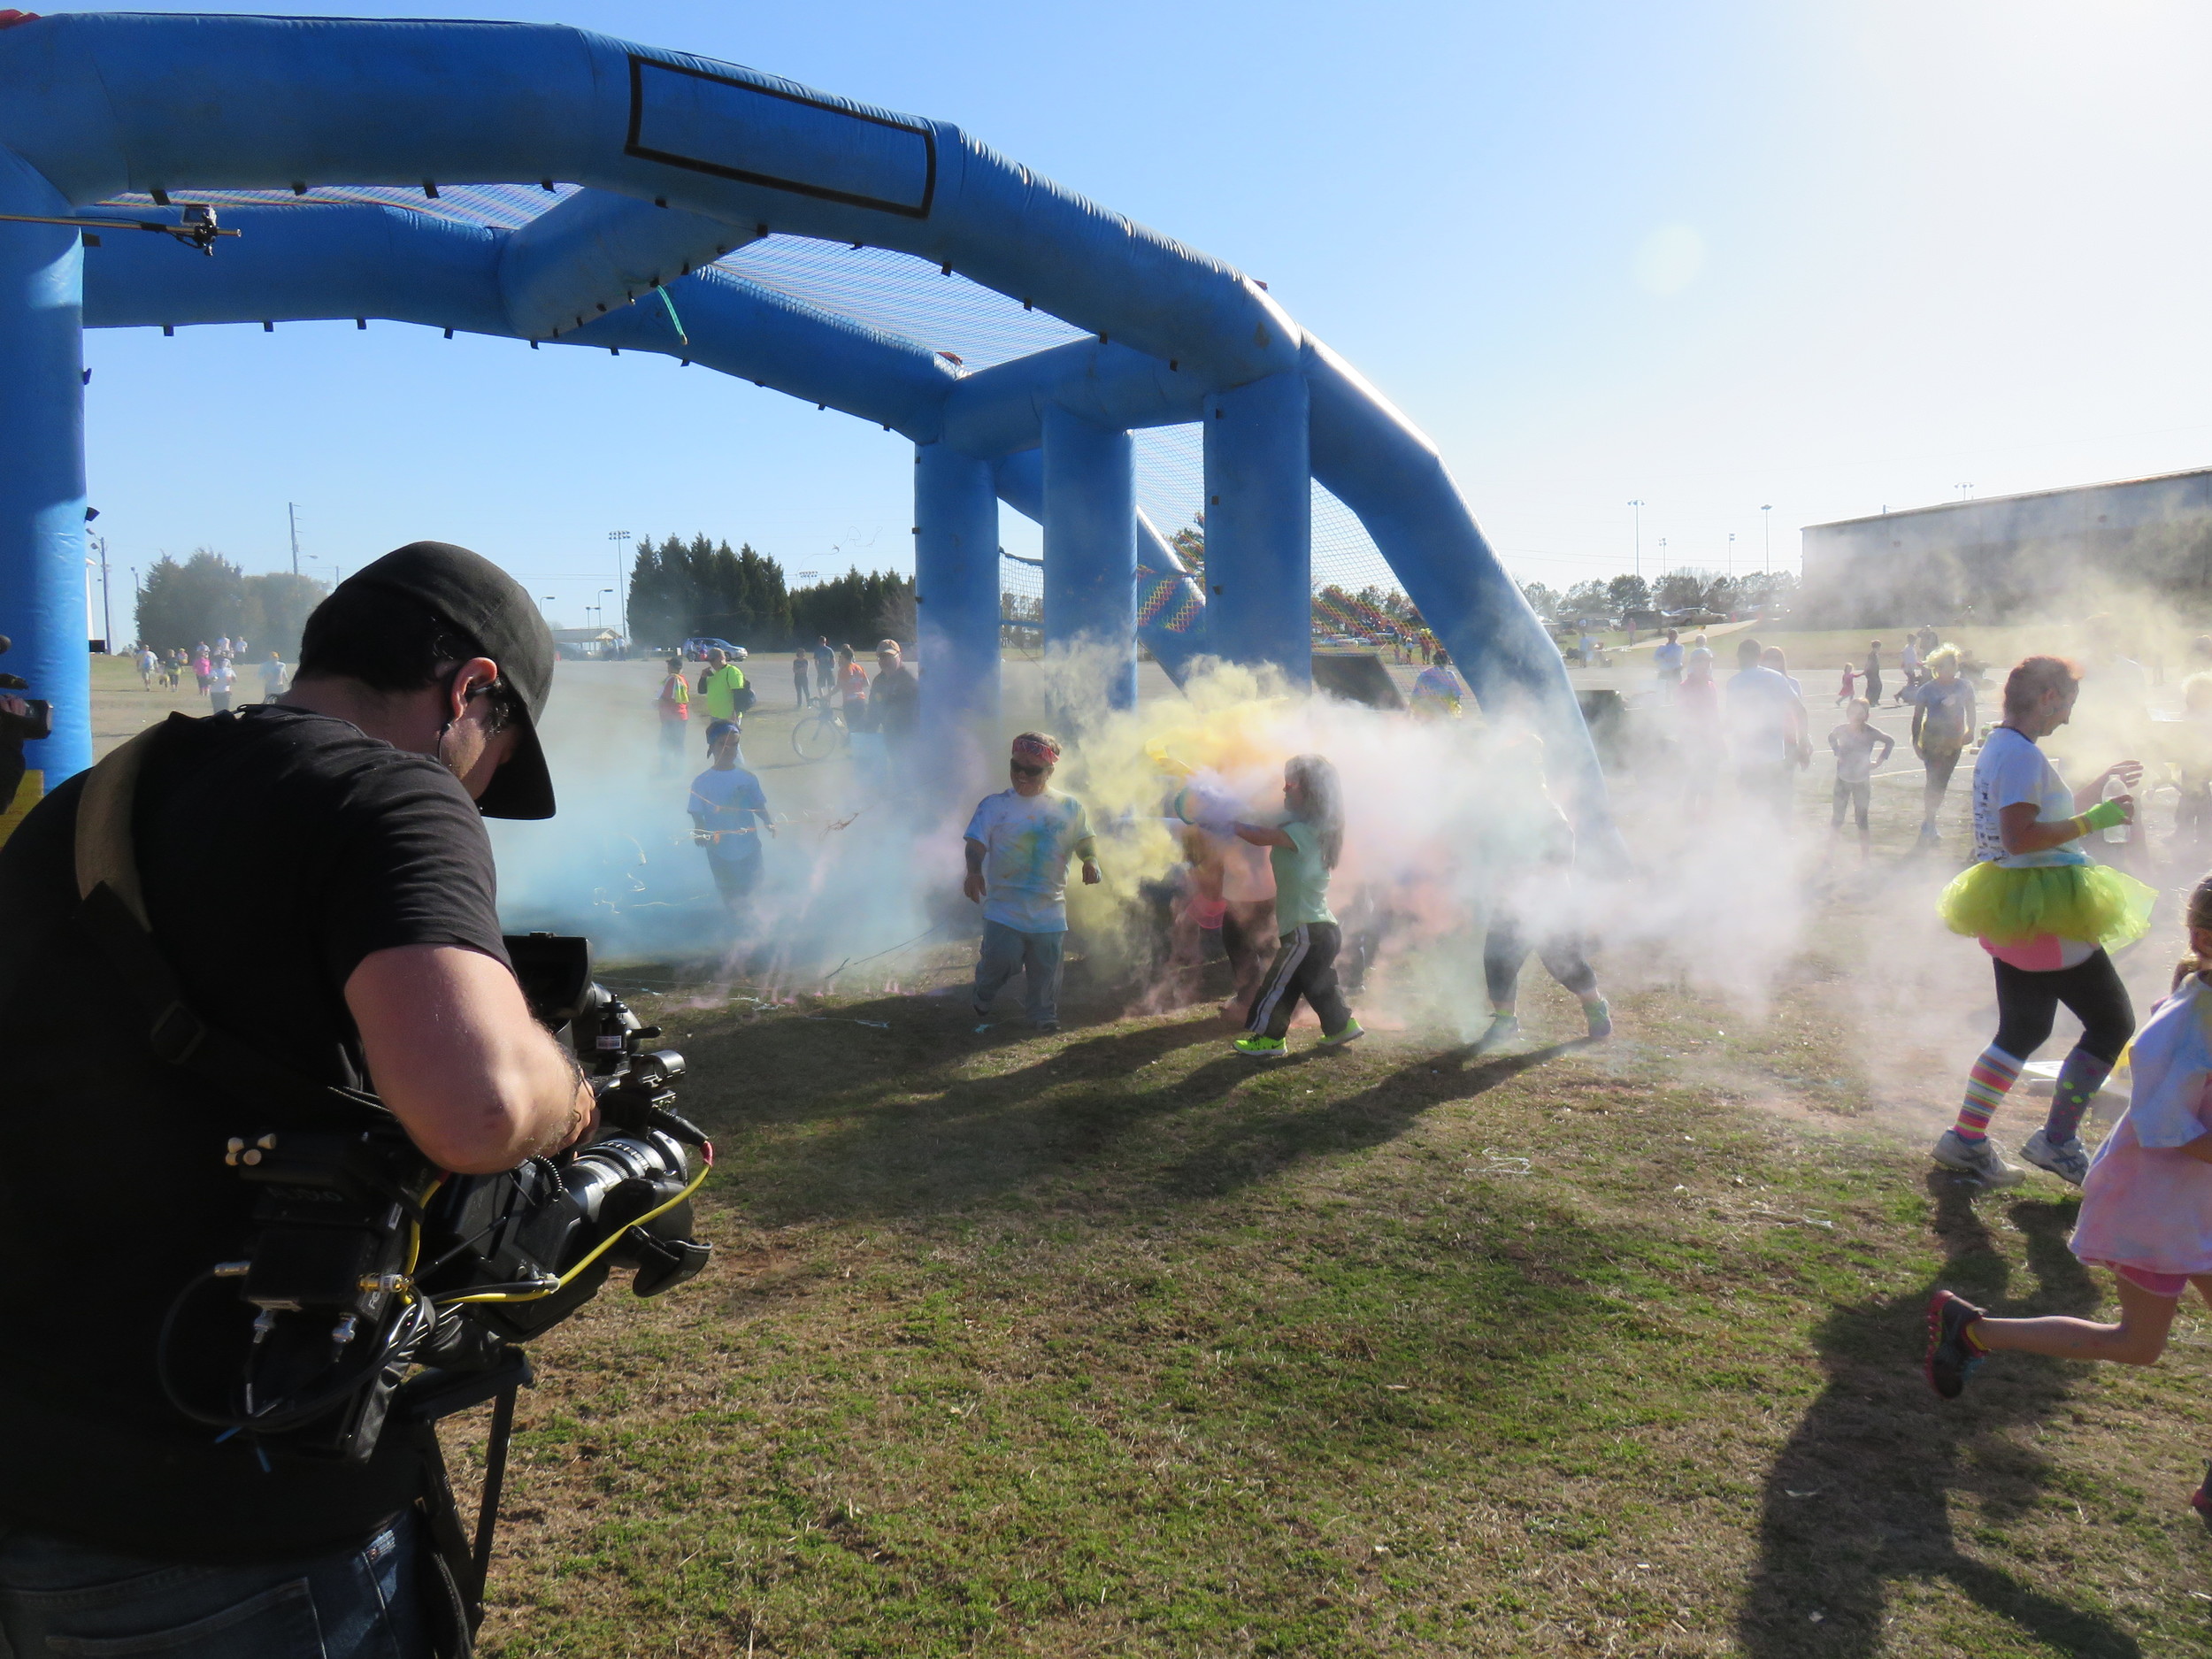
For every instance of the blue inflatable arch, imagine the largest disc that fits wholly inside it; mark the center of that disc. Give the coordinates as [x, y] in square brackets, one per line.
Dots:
[681, 160]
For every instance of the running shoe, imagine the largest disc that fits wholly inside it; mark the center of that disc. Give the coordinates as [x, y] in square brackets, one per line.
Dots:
[1978, 1158]
[1600, 1017]
[1951, 1356]
[2200, 1500]
[2068, 1160]
[1352, 1032]
[1503, 1028]
[1263, 1048]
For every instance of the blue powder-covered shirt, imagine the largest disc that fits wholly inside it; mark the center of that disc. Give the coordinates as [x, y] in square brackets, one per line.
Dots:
[1028, 841]
[727, 801]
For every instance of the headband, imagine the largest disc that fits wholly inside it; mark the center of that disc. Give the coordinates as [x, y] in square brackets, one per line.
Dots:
[1030, 746]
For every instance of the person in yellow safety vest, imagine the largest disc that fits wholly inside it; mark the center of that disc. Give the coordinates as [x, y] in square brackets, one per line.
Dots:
[723, 689]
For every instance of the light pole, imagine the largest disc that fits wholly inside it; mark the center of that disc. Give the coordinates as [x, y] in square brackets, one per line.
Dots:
[292, 514]
[1766, 558]
[621, 538]
[1639, 509]
[107, 615]
[1731, 555]
[603, 593]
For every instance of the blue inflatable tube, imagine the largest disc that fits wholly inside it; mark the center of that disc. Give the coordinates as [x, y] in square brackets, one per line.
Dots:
[683, 159]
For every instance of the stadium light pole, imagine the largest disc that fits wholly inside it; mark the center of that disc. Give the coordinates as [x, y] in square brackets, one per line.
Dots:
[621, 538]
[1637, 507]
[292, 514]
[1731, 555]
[1766, 558]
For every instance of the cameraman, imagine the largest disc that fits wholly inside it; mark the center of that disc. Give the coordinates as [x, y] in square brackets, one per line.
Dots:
[352, 884]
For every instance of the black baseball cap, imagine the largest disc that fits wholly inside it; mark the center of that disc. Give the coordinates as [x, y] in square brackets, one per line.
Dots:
[483, 602]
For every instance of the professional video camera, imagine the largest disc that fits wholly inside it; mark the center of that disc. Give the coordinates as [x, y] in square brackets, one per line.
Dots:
[364, 1262]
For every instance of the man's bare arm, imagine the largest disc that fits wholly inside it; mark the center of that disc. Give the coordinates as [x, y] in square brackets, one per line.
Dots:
[478, 1085]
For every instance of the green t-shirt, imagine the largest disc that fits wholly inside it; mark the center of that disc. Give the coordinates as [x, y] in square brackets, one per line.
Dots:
[1301, 880]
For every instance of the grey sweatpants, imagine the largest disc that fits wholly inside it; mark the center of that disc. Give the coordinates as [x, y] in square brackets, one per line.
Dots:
[1037, 956]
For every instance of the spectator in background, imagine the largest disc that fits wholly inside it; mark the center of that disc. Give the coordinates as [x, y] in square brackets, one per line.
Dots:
[1874, 674]
[673, 704]
[2190, 748]
[1854, 744]
[1772, 657]
[1437, 690]
[852, 690]
[274, 673]
[1766, 731]
[802, 671]
[1667, 658]
[722, 688]
[1699, 735]
[1943, 720]
[203, 670]
[1849, 687]
[895, 702]
[1700, 652]
[148, 665]
[824, 667]
[222, 679]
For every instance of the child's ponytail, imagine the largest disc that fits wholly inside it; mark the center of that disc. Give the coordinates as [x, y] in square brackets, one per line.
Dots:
[2197, 917]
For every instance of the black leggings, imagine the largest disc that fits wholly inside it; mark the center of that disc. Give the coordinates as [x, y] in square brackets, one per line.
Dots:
[1507, 947]
[1304, 965]
[2027, 1003]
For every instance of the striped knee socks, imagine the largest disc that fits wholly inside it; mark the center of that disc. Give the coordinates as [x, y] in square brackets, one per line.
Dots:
[1987, 1079]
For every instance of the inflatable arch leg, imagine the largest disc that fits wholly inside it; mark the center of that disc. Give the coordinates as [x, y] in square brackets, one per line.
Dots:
[956, 599]
[1091, 550]
[1259, 526]
[42, 466]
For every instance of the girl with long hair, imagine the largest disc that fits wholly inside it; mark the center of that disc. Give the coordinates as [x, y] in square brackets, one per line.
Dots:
[1302, 849]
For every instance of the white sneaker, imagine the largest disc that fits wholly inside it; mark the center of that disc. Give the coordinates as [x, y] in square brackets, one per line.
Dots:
[2068, 1160]
[1978, 1158]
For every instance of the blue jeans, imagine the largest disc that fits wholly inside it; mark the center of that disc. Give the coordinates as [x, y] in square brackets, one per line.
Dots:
[1037, 956]
[360, 1603]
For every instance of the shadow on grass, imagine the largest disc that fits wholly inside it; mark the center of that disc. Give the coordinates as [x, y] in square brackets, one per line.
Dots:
[1859, 1497]
[1256, 1142]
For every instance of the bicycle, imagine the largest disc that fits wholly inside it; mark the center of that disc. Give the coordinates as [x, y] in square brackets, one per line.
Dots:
[819, 735]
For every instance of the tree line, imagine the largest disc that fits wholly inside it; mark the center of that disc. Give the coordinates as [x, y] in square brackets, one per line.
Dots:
[207, 598]
[1676, 590]
[681, 590]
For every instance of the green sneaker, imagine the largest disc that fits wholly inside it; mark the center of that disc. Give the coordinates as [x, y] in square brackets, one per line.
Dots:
[1352, 1032]
[1263, 1048]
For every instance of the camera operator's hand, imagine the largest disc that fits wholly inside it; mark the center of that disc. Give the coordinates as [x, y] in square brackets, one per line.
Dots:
[15, 706]
[478, 1085]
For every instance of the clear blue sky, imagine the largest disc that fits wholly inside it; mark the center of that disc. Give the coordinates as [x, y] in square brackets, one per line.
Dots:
[1833, 256]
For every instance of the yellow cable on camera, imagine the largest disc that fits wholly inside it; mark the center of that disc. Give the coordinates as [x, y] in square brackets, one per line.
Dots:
[706, 1168]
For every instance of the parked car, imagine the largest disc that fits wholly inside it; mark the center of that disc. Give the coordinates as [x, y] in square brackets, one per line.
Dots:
[697, 649]
[1694, 617]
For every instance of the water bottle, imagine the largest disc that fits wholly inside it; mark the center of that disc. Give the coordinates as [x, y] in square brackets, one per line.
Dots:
[2116, 834]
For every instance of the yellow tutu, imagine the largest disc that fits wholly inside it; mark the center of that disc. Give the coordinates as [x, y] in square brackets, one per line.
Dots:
[2092, 902]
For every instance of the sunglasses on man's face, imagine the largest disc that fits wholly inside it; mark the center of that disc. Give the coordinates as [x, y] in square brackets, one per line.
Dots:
[1026, 769]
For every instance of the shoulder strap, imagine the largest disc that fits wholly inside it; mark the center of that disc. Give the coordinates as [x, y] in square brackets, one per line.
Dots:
[113, 912]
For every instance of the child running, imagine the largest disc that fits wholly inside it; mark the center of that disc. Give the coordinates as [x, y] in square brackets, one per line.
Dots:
[1529, 850]
[1304, 849]
[1854, 745]
[2047, 915]
[2146, 1207]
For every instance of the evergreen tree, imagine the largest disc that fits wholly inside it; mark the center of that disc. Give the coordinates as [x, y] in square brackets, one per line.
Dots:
[198, 602]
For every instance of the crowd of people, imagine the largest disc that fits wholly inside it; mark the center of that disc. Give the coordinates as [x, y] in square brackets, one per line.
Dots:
[214, 670]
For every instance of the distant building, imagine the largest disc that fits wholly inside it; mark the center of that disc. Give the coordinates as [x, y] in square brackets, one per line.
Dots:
[2008, 556]
[586, 643]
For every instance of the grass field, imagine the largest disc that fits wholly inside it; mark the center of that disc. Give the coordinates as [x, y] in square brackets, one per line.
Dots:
[1106, 1342]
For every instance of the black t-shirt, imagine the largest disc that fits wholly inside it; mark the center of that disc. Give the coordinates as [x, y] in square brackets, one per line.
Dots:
[277, 848]
[896, 699]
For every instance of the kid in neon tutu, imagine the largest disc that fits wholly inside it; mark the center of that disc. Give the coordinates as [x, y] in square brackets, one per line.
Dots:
[2048, 917]
[2146, 1207]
